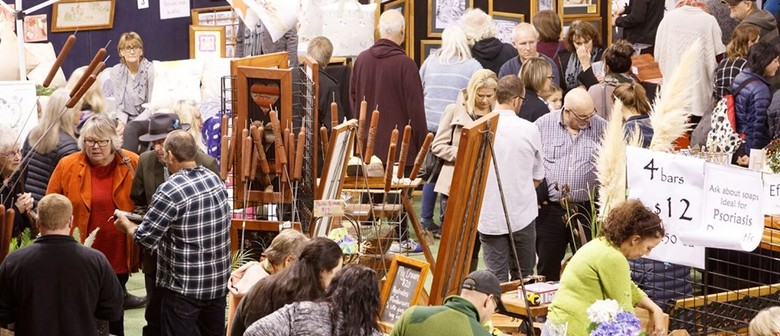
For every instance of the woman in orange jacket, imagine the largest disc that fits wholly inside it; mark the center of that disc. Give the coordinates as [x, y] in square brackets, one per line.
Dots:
[97, 181]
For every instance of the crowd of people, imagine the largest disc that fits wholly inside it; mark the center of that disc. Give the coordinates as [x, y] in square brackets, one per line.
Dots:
[79, 165]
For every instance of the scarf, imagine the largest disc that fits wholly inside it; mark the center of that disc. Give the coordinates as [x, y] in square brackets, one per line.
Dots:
[574, 68]
[132, 93]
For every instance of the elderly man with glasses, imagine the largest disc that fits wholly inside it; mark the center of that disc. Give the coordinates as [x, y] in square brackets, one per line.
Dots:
[571, 136]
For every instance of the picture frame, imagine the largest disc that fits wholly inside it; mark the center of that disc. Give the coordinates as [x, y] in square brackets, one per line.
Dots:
[540, 5]
[427, 47]
[334, 169]
[442, 13]
[579, 8]
[397, 296]
[406, 7]
[505, 23]
[35, 28]
[72, 15]
[207, 41]
[6, 16]
[219, 16]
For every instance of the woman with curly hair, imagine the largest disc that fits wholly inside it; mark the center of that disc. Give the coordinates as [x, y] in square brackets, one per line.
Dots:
[583, 48]
[304, 280]
[350, 307]
[599, 270]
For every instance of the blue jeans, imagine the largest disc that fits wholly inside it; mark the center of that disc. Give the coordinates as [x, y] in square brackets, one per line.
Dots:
[182, 315]
[428, 205]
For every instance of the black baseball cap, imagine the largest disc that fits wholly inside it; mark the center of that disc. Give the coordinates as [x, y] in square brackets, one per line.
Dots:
[484, 282]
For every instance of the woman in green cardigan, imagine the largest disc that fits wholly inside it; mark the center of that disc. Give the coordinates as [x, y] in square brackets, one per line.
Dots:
[599, 270]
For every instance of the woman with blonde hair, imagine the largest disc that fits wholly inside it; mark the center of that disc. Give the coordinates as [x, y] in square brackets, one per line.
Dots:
[189, 113]
[766, 323]
[444, 74]
[132, 79]
[742, 39]
[51, 140]
[93, 101]
[479, 100]
[536, 75]
[97, 180]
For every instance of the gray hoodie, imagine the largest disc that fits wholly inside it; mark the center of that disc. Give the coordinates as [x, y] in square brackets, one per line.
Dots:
[769, 34]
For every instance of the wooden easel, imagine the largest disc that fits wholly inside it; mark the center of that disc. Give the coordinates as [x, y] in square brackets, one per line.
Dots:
[464, 206]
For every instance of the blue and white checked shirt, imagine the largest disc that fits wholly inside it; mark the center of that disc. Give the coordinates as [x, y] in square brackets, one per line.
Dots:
[188, 222]
[569, 159]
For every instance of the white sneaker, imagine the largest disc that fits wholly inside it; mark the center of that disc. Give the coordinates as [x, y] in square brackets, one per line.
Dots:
[407, 246]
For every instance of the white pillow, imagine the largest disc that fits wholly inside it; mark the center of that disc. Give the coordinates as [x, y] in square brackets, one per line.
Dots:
[174, 81]
[211, 82]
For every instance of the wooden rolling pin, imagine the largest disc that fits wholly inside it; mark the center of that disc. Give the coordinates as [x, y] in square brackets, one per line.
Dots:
[334, 112]
[90, 69]
[324, 140]
[389, 167]
[258, 140]
[361, 136]
[246, 154]
[371, 137]
[60, 58]
[76, 97]
[224, 165]
[404, 151]
[418, 161]
[299, 154]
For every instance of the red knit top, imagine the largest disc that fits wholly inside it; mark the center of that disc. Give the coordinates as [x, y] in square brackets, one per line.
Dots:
[109, 240]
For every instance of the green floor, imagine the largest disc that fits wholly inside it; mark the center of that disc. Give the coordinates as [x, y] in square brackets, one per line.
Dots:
[134, 318]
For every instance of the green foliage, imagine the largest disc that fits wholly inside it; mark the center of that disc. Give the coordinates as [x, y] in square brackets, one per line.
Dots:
[26, 239]
[43, 91]
[239, 258]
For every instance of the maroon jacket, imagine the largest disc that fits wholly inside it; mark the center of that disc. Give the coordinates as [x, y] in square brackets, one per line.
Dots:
[385, 76]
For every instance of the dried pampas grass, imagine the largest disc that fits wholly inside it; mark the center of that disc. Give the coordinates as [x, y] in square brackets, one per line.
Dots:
[611, 163]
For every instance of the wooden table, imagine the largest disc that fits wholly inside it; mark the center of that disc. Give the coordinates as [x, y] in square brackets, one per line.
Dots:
[516, 307]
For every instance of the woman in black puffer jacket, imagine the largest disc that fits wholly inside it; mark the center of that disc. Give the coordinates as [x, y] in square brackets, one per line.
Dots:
[52, 139]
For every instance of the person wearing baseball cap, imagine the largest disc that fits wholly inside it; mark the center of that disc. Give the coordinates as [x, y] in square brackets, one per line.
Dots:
[464, 314]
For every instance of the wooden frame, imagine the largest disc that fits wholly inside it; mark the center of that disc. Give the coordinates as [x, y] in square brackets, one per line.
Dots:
[505, 23]
[246, 110]
[219, 16]
[35, 28]
[433, 14]
[207, 41]
[406, 8]
[400, 262]
[252, 225]
[464, 206]
[540, 5]
[334, 169]
[579, 8]
[427, 47]
[72, 15]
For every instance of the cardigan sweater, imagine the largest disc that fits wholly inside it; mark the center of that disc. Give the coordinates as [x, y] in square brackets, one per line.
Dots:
[597, 271]
[441, 85]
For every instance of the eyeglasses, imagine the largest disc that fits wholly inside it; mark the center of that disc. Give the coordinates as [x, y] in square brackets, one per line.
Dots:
[101, 143]
[12, 153]
[579, 117]
[133, 48]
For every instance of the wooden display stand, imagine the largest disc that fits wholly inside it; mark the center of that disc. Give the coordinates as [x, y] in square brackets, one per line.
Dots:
[6, 231]
[464, 206]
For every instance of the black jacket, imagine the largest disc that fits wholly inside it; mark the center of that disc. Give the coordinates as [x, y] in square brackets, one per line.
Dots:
[58, 287]
[641, 20]
[41, 166]
[533, 106]
[492, 53]
[329, 90]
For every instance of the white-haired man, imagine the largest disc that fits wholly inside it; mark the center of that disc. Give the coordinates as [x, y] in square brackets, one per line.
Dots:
[485, 47]
[525, 39]
[386, 77]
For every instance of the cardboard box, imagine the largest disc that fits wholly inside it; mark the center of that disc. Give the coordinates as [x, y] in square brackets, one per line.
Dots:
[545, 290]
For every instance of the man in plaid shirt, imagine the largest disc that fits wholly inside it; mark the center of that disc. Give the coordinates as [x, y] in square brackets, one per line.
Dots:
[188, 223]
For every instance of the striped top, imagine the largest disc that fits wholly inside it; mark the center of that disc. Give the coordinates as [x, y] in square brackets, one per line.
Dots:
[441, 85]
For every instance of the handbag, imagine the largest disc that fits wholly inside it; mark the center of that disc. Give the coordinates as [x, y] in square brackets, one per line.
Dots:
[432, 164]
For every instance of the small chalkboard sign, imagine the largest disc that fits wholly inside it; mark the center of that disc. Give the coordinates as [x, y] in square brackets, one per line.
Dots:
[403, 285]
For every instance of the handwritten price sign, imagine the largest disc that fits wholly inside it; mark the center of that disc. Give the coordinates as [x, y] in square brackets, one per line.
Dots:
[670, 185]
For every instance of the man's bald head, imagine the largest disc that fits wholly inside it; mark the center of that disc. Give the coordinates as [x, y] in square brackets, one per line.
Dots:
[578, 109]
[391, 26]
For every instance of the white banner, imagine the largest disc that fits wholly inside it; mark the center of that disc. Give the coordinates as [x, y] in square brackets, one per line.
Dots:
[171, 9]
[671, 185]
[733, 217]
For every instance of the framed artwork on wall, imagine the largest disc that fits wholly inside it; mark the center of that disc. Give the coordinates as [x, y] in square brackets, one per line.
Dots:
[35, 28]
[540, 5]
[505, 23]
[427, 47]
[596, 22]
[72, 15]
[207, 41]
[579, 8]
[443, 13]
[406, 7]
[219, 16]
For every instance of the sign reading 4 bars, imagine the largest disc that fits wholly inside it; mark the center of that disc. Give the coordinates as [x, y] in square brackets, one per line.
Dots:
[670, 185]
